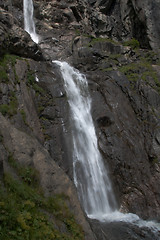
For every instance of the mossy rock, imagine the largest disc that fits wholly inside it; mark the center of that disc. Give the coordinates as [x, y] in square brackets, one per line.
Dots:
[26, 214]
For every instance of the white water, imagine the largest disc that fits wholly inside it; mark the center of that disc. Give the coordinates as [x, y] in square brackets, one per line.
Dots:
[90, 176]
[29, 24]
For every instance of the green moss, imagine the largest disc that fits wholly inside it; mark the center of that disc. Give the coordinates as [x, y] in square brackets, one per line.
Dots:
[13, 105]
[4, 109]
[133, 43]
[3, 75]
[11, 108]
[8, 58]
[30, 78]
[96, 40]
[4, 63]
[38, 89]
[22, 112]
[31, 82]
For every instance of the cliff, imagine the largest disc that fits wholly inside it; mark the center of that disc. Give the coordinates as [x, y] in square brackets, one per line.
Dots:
[116, 45]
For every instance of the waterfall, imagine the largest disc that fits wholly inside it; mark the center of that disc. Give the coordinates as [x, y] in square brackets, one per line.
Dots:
[29, 24]
[90, 175]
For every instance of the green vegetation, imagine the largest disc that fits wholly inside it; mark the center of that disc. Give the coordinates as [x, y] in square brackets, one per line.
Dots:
[96, 40]
[22, 112]
[141, 70]
[26, 214]
[40, 109]
[31, 82]
[4, 64]
[4, 109]
[133, 43]
[27, 174]
[11, 108]
[131, 71]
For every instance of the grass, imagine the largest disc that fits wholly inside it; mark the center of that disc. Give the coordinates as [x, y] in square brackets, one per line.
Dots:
[133, 43]
[26, 214]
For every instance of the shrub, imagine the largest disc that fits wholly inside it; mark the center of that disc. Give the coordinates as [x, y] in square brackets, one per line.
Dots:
[27, 214]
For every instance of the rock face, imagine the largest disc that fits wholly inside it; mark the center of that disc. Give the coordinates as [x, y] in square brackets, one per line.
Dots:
[124, 83]
[26, 137]
[14, 39]
[126, 113]
[126, 19]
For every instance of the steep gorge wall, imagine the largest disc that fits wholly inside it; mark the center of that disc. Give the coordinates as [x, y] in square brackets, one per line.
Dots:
[124, 85]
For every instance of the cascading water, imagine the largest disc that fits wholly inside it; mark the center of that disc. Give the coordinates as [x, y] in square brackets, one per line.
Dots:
[29, 24]
[90, 176]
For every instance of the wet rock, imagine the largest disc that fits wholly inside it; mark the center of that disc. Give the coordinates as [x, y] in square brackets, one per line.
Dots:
[122, 230]
[15, 40]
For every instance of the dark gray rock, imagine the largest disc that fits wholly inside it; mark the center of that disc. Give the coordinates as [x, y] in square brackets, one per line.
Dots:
[121, 231]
